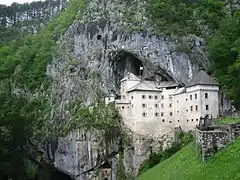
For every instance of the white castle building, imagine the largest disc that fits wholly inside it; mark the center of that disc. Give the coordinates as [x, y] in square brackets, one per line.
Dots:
[154, 109]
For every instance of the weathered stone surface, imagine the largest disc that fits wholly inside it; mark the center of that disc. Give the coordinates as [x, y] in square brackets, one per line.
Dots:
[97, 50]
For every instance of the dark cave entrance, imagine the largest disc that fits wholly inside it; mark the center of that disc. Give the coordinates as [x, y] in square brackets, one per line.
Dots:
[123, 62]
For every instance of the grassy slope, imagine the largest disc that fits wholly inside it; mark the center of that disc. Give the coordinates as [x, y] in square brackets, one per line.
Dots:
[228, 120]
[184, 165]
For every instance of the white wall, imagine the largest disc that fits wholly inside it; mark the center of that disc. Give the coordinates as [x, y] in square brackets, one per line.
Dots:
[153, 123]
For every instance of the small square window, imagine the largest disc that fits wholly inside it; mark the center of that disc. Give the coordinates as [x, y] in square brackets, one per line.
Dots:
[206, 107]
[144, 114]
[191, 108]
[162, 97]
[109, 99]
[143, 96]
[177, 111]
[190, 97]
[196, 107]
[187, 120]
[178, 121]
[161, 105]
[150, 97]
[170, 96]
[186, 99]
[144, 105]
[195, 96]
[177, 101]
[163, 120]
[155, 97]
[122, 107]
[156, 114]
[206, 95]
[197, 120]
[170, 121]
[170, 105]
[131, 97]
[170, 113]
[192, 120]
[156, 105]
[162, 114]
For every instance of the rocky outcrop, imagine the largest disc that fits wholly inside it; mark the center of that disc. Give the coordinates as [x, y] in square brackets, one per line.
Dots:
[97, 51]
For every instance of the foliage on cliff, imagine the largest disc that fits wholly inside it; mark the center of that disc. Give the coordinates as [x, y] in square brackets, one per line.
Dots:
[211, 20]
[180, 140]
[186, 165]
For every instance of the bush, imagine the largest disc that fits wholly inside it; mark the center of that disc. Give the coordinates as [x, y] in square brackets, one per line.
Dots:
[181, 139]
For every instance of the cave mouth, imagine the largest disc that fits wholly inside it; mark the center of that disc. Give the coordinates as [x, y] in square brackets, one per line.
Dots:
[124, 62]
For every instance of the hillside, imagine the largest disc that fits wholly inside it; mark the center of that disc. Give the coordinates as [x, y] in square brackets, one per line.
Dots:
[56, 68]
[186, 165]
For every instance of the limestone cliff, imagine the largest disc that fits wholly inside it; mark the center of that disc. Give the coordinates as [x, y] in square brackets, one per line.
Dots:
[94, 54]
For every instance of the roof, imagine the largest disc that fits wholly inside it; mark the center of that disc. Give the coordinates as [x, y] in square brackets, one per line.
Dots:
[180, 91]
[164, 84]
[144, 86]
[130, 76]
[202, 78]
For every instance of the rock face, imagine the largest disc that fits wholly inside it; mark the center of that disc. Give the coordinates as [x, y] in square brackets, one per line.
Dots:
[95, 53]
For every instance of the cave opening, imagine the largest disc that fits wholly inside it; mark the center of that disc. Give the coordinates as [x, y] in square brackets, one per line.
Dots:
[123, 62]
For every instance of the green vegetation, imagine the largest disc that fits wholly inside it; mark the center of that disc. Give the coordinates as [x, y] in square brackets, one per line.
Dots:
[228, 120]
[181, 139]
[211, 20]
[186, 165]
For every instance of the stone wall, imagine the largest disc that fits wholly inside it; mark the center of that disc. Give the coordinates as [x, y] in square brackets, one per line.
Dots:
[209, 142]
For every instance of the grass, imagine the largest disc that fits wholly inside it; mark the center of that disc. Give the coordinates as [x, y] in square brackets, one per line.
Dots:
[228, 120]
[185, 165]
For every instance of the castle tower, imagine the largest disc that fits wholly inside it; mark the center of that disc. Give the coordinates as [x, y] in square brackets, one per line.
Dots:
[202, 95]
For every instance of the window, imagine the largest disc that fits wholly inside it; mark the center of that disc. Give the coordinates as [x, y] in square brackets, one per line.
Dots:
[190, 97]
[163, 120]
[197, 120]
[144, 105]
[195, 96]
[187, 120]
[156, 105]
[177, 101]
[144, 114]
[191, 108]
[162, 97]
[124, 97]
[150, 97]
[156, 114]
[186, 99]
[186, 110]
[206, 95]
[206, 107]
[155, 97]
[122, 107]
[132, 105]
[143, 97]
[170, 113]
[170, 121]
[177, 111]
[178, 121]
[170, 105]
[170, 96]
[131, 97]
[109, 99]
[161, 105]
[192, 120]
[128, 107]
[196, 107]
[162, 114]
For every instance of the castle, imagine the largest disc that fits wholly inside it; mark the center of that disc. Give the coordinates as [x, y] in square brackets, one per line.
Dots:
[155, 108]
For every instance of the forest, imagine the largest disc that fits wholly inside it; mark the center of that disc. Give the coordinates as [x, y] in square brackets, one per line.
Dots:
[25, 54]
